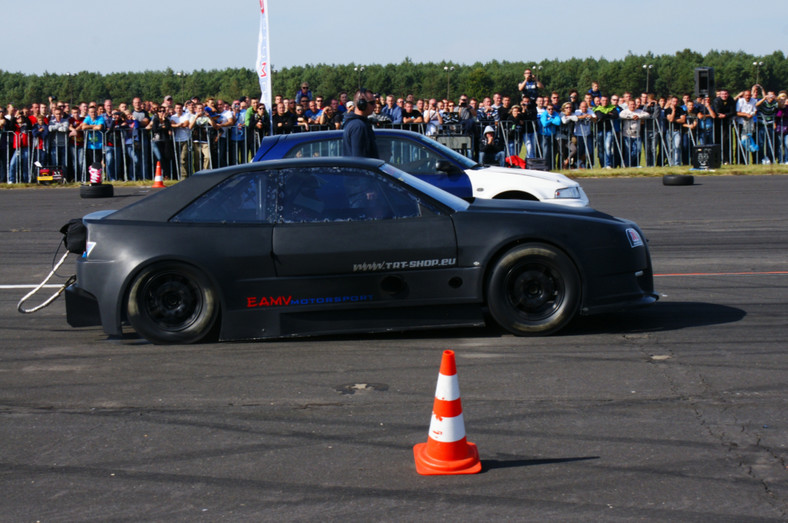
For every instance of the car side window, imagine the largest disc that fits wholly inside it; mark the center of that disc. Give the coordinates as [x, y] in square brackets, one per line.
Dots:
[411, 157]
[316, 149]
[330, 194]
[244, 198]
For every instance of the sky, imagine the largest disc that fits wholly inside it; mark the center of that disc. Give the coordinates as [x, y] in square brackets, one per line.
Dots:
[108, 36]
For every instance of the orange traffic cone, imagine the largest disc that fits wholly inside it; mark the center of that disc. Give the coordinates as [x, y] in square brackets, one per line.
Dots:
[447, 451]
[158, 181]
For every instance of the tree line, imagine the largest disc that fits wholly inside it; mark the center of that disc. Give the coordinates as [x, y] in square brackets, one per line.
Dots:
[668, 74]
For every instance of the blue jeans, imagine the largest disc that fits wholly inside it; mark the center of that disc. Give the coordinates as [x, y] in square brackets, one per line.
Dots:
[784, 142]
[500, 159]
[135, 172]
[162, 153]
[705, 134]
[632, 156]
[766, 141]
[530, 145]
[57, 155]
[674, 140]
[19, 165]
[109, 159]
[547, 151]
[650, 145]
[77, 161]
[606, 149]
[514, 147]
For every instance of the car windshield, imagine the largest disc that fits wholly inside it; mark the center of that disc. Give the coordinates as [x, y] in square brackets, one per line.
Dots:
[464, 161]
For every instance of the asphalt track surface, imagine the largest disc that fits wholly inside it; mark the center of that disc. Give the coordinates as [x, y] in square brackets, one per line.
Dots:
[678, 412]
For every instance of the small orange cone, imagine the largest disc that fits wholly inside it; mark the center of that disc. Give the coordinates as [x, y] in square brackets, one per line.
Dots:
[447, 451]
[158, 181]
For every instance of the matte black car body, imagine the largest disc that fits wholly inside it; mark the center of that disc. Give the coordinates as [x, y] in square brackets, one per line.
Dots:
[197, 261]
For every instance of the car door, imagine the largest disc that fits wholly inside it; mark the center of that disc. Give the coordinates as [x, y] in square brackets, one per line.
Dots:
[343, 231]
[228, 232]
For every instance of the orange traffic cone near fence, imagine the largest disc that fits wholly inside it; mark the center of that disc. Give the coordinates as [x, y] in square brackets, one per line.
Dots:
[447, 451]
[158, 181]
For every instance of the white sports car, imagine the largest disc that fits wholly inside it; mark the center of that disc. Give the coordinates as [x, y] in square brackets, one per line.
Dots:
[437, 164]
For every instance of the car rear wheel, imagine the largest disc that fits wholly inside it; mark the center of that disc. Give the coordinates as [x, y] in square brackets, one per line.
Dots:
[533, 289]
[172, 303]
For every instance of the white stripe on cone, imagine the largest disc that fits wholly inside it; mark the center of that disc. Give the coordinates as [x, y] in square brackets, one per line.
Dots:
[447, 430]
[448, 388]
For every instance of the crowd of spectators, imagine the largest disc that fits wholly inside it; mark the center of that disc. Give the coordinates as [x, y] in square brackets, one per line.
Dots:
[128, 141]
[592, 129]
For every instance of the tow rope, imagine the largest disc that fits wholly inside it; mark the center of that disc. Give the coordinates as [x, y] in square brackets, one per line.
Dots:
[74, 239]
[52, 298]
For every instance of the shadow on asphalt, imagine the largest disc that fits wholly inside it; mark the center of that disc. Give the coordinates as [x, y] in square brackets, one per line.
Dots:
[490, 464]
[662, 316]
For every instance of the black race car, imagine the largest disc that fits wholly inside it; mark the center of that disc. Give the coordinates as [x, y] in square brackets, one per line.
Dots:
[328, 245]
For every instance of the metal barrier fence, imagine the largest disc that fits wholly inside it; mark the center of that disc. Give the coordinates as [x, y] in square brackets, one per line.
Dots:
[130, 154]
[126, 154]
[646, 142]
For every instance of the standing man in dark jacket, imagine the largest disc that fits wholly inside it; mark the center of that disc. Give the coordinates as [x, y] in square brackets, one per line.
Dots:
[725, 108]
[358, 138]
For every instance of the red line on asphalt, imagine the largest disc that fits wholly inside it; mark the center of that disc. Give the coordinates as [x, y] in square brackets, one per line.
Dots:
[753, 273]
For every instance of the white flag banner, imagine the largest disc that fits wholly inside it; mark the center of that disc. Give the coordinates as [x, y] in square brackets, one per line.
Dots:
[264, 58]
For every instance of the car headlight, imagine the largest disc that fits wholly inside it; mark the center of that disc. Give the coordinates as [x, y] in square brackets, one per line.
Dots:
[568, 192]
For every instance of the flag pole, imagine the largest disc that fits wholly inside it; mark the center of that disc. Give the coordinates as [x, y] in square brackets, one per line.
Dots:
[263, 66]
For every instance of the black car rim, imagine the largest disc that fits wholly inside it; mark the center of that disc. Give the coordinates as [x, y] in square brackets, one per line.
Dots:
[172, 301]
[536, 291]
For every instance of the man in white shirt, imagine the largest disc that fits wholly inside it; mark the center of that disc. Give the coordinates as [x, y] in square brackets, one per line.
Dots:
[433, 118]
[224, 122]
[182, 136]
[583, 118]
[630, 128]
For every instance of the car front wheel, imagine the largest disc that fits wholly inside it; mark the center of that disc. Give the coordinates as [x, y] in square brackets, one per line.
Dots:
[172, 303]
[533, 289]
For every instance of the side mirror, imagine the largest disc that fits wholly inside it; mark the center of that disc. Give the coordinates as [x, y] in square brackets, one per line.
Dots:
[444, 166]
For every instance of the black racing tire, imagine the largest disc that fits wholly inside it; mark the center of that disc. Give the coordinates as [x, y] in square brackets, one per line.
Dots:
[102, 190]
[533, 289]
[172, 303]
[678, 179]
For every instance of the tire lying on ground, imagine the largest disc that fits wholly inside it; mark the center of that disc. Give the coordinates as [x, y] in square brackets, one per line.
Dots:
[102, 190]
[678, 179]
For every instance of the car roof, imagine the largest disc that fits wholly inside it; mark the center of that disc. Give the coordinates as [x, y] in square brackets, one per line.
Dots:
[161, 205]
[270, 142]
[311, 135]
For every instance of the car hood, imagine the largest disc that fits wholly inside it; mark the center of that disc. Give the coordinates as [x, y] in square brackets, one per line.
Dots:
[487, 205]
[542, 175]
